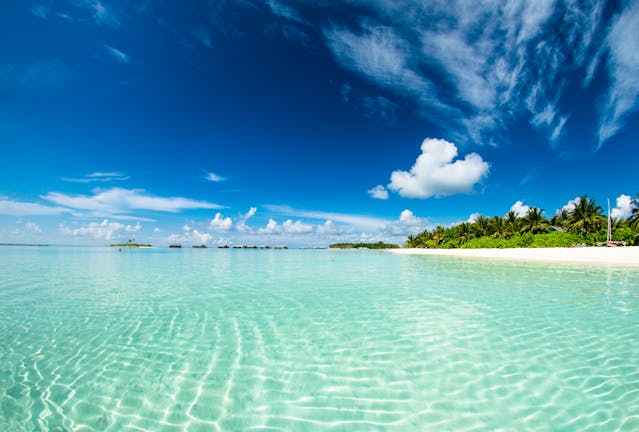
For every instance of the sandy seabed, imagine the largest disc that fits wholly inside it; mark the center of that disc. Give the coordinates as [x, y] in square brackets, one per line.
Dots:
[628, 255]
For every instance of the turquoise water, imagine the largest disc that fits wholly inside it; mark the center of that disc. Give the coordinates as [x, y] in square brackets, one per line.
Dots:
[302, 340]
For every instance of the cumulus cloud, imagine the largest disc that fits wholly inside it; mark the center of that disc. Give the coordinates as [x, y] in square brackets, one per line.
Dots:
[473, 217]
[104, 230]
[624, 207]
[118, 201]
[221, 223]
[288, 227]
[570, 205]
[436, 173]
[328, 227]
[407, 224]
[190, 235]
[520, 209]
[378, 192]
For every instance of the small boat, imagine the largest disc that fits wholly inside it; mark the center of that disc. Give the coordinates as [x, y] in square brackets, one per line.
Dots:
[175, 245]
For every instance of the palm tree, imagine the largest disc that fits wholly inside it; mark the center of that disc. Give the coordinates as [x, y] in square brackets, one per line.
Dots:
[497, 226]
[633, 220]
[586, 217]
[534, 222]
[511, 224]
[560, 219]
[481, 227]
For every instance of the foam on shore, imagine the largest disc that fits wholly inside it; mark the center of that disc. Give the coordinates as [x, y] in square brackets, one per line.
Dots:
[628, 255]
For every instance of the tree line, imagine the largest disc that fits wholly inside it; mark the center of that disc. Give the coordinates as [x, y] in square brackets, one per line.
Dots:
[582, 224]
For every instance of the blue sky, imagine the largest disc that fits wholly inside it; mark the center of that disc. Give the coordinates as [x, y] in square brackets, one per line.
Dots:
[306, 123]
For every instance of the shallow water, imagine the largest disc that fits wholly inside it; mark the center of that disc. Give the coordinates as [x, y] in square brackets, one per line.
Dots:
[305, 340]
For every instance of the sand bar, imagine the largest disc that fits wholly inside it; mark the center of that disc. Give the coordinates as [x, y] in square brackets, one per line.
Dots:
[628, 255]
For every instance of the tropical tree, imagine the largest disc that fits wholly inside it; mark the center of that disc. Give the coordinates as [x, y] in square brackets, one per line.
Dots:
[633, 220]
[511, 225]
[534, 222]
[586, 217]
[497, 226]
[481, 227]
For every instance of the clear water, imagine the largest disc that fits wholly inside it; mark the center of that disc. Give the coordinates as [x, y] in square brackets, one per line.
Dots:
[233, 340]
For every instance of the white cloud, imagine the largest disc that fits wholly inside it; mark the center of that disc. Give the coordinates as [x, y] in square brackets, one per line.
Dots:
[486, 57]
[623, 64]
[157, 230]
[104, 230]
[436, 174]
[624, 207]
[378, 192]
[288, 227]
[32, 227]
[570, 205]
[102, 14]
[41, 11]
[97, 177]
[214, 177]
[220, 223]
[192, 236]
[21, 208]
[117, 54]
[116, 201]
[407, 224]
[186, 228]
[327, 228]
[382, 56]
[520, 209]
[284, 11]
[473, 217]
[355, 220]
[241, 224]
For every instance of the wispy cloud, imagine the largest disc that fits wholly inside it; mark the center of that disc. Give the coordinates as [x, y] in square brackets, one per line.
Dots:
[117, 54]
[23, 208]
[211, 176]
[41, 11]
[119, 202]
[381, 55]
[476, 67]
[97, 177]
[623, 95]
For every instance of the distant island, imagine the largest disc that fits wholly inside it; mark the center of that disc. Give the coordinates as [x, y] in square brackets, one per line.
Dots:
[378, 245]
[130, 245]
[582, 224]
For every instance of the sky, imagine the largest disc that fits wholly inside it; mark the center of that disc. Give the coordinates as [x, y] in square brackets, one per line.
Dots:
[308, 123]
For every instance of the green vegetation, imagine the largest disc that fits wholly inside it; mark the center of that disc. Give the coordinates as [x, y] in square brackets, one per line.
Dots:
[378, 245]
[585, 224]
[130, 245]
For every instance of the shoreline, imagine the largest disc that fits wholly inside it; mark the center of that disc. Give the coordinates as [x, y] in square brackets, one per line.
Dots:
[626, 255]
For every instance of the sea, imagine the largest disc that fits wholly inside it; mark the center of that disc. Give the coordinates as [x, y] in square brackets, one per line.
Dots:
[92, 339]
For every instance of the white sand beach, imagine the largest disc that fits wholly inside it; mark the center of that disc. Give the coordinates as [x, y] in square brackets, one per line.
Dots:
[628, 255]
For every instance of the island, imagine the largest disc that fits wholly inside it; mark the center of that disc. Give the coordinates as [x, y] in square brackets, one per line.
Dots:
[378, 245]
[135, 245]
